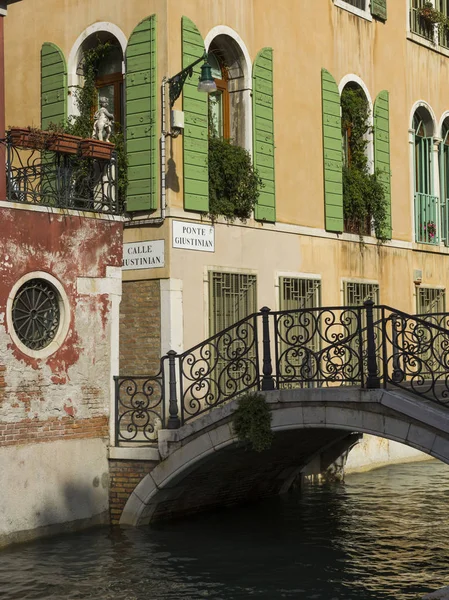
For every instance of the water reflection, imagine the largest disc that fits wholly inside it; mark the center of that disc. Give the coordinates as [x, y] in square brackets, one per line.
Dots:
[383, 534]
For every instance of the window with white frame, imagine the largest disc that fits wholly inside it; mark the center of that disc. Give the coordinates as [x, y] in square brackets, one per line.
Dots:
[430, 300]
[427, 20]
[358, 7]
[426, 203]
[298, 351]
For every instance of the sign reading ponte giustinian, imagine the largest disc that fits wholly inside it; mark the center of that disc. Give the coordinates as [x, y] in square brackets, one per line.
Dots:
[193, 236]
[143, 255]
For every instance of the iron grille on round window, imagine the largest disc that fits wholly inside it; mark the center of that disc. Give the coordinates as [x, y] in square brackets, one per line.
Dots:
[36, 313]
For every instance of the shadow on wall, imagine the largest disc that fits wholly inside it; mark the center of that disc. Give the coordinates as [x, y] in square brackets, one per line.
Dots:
[72, 508]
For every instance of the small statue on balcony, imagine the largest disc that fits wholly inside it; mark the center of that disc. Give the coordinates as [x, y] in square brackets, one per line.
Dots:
[103, 121]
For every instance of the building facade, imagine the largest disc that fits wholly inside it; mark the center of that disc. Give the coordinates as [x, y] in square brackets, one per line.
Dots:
[285, 73]
[60, 290]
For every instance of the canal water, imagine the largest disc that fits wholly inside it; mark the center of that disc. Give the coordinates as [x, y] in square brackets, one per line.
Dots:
[382, 534]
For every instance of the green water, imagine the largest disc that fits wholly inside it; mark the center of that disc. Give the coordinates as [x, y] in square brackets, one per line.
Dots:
[382, 534]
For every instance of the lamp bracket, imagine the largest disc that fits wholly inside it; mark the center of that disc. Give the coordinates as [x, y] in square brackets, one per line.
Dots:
[176, 83]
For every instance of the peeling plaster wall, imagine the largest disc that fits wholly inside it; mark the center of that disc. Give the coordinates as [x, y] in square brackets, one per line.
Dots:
[58, 402]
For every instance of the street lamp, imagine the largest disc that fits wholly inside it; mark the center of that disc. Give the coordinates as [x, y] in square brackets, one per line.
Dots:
[206, 82]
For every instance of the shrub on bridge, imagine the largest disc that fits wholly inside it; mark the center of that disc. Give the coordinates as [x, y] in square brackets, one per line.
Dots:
[252, 422]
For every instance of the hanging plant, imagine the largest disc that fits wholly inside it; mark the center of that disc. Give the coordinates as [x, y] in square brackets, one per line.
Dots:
[252, 422]
[364, 202]
[234, 183]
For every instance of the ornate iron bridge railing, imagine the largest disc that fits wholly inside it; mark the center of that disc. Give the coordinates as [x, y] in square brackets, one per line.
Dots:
[57, 179]
[365, 346]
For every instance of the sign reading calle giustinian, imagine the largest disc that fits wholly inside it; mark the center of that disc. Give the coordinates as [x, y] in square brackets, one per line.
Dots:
[193, 236]
[143, 255]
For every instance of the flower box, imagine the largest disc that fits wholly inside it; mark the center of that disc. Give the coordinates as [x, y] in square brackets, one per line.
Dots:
[36, 139]
[96, 149]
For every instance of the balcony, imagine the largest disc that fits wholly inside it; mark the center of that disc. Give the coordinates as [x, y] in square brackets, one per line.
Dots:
[61, 171]
[426, 219]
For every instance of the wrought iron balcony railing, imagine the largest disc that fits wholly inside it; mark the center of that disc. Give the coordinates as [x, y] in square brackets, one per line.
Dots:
[365, 346]
[49, 177]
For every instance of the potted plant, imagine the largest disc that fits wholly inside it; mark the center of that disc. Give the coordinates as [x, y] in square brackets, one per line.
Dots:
[91, 148]
[36, 139]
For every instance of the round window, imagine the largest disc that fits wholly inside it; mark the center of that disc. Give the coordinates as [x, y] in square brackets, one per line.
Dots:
[36, 313]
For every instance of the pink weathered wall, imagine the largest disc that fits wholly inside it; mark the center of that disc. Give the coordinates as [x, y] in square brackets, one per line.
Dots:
[66, 394]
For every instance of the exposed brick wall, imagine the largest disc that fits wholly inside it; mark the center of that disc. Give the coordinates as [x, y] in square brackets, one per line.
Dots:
[30, 431]
[124, 475]
[140, 327]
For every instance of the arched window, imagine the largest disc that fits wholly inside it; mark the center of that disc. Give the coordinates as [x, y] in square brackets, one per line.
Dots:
[219, 114]
[356, 125]
[229, 106]
[426, 203]
[109, 72]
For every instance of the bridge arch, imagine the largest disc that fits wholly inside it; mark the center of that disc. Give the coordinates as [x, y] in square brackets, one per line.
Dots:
[203, 465]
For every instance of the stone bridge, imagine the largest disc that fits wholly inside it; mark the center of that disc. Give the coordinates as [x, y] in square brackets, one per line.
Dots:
[328, 375]
[202, 464]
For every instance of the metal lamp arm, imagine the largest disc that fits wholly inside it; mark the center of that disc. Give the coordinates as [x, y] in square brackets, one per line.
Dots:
[176, 82]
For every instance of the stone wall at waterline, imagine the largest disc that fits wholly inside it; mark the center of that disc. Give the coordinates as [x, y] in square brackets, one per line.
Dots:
[56, 394]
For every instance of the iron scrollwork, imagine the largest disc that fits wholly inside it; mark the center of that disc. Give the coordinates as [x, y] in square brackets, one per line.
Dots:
[69, 181]
[418, 360]
[139, 408]
[220, 368]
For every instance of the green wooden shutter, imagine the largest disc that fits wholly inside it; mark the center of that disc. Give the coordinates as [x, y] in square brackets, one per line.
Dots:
[263, 134]
[53, 85]
[382, 148]
[333, 154]
[141, 117]
[195, 138]
[379, 9]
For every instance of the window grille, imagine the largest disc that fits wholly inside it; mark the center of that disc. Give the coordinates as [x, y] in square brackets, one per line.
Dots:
[418, 24]
[430, 300]
[298, 293]
[355, 293]
[232, 296]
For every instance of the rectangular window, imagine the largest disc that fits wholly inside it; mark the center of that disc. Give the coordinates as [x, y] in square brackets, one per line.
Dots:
[297, 293]
[418, 23]
[355, 293]
[232, 297]
[443, 36]
[357, 3]
[430, 300]
[357, 7]
[299, 339]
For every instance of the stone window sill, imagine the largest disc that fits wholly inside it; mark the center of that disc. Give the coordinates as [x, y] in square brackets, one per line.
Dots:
[418, 39]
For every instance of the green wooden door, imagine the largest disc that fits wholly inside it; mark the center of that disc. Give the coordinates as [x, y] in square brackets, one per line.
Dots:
[141, 117]
[382, 149]
[53, 86]
[195, 138]
[332, 153]
[263, 134]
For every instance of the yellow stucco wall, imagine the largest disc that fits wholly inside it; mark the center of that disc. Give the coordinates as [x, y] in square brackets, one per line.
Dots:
[305, 36]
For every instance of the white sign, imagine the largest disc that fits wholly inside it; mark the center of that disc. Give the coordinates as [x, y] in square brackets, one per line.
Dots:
[193, 236]
[143, 255]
